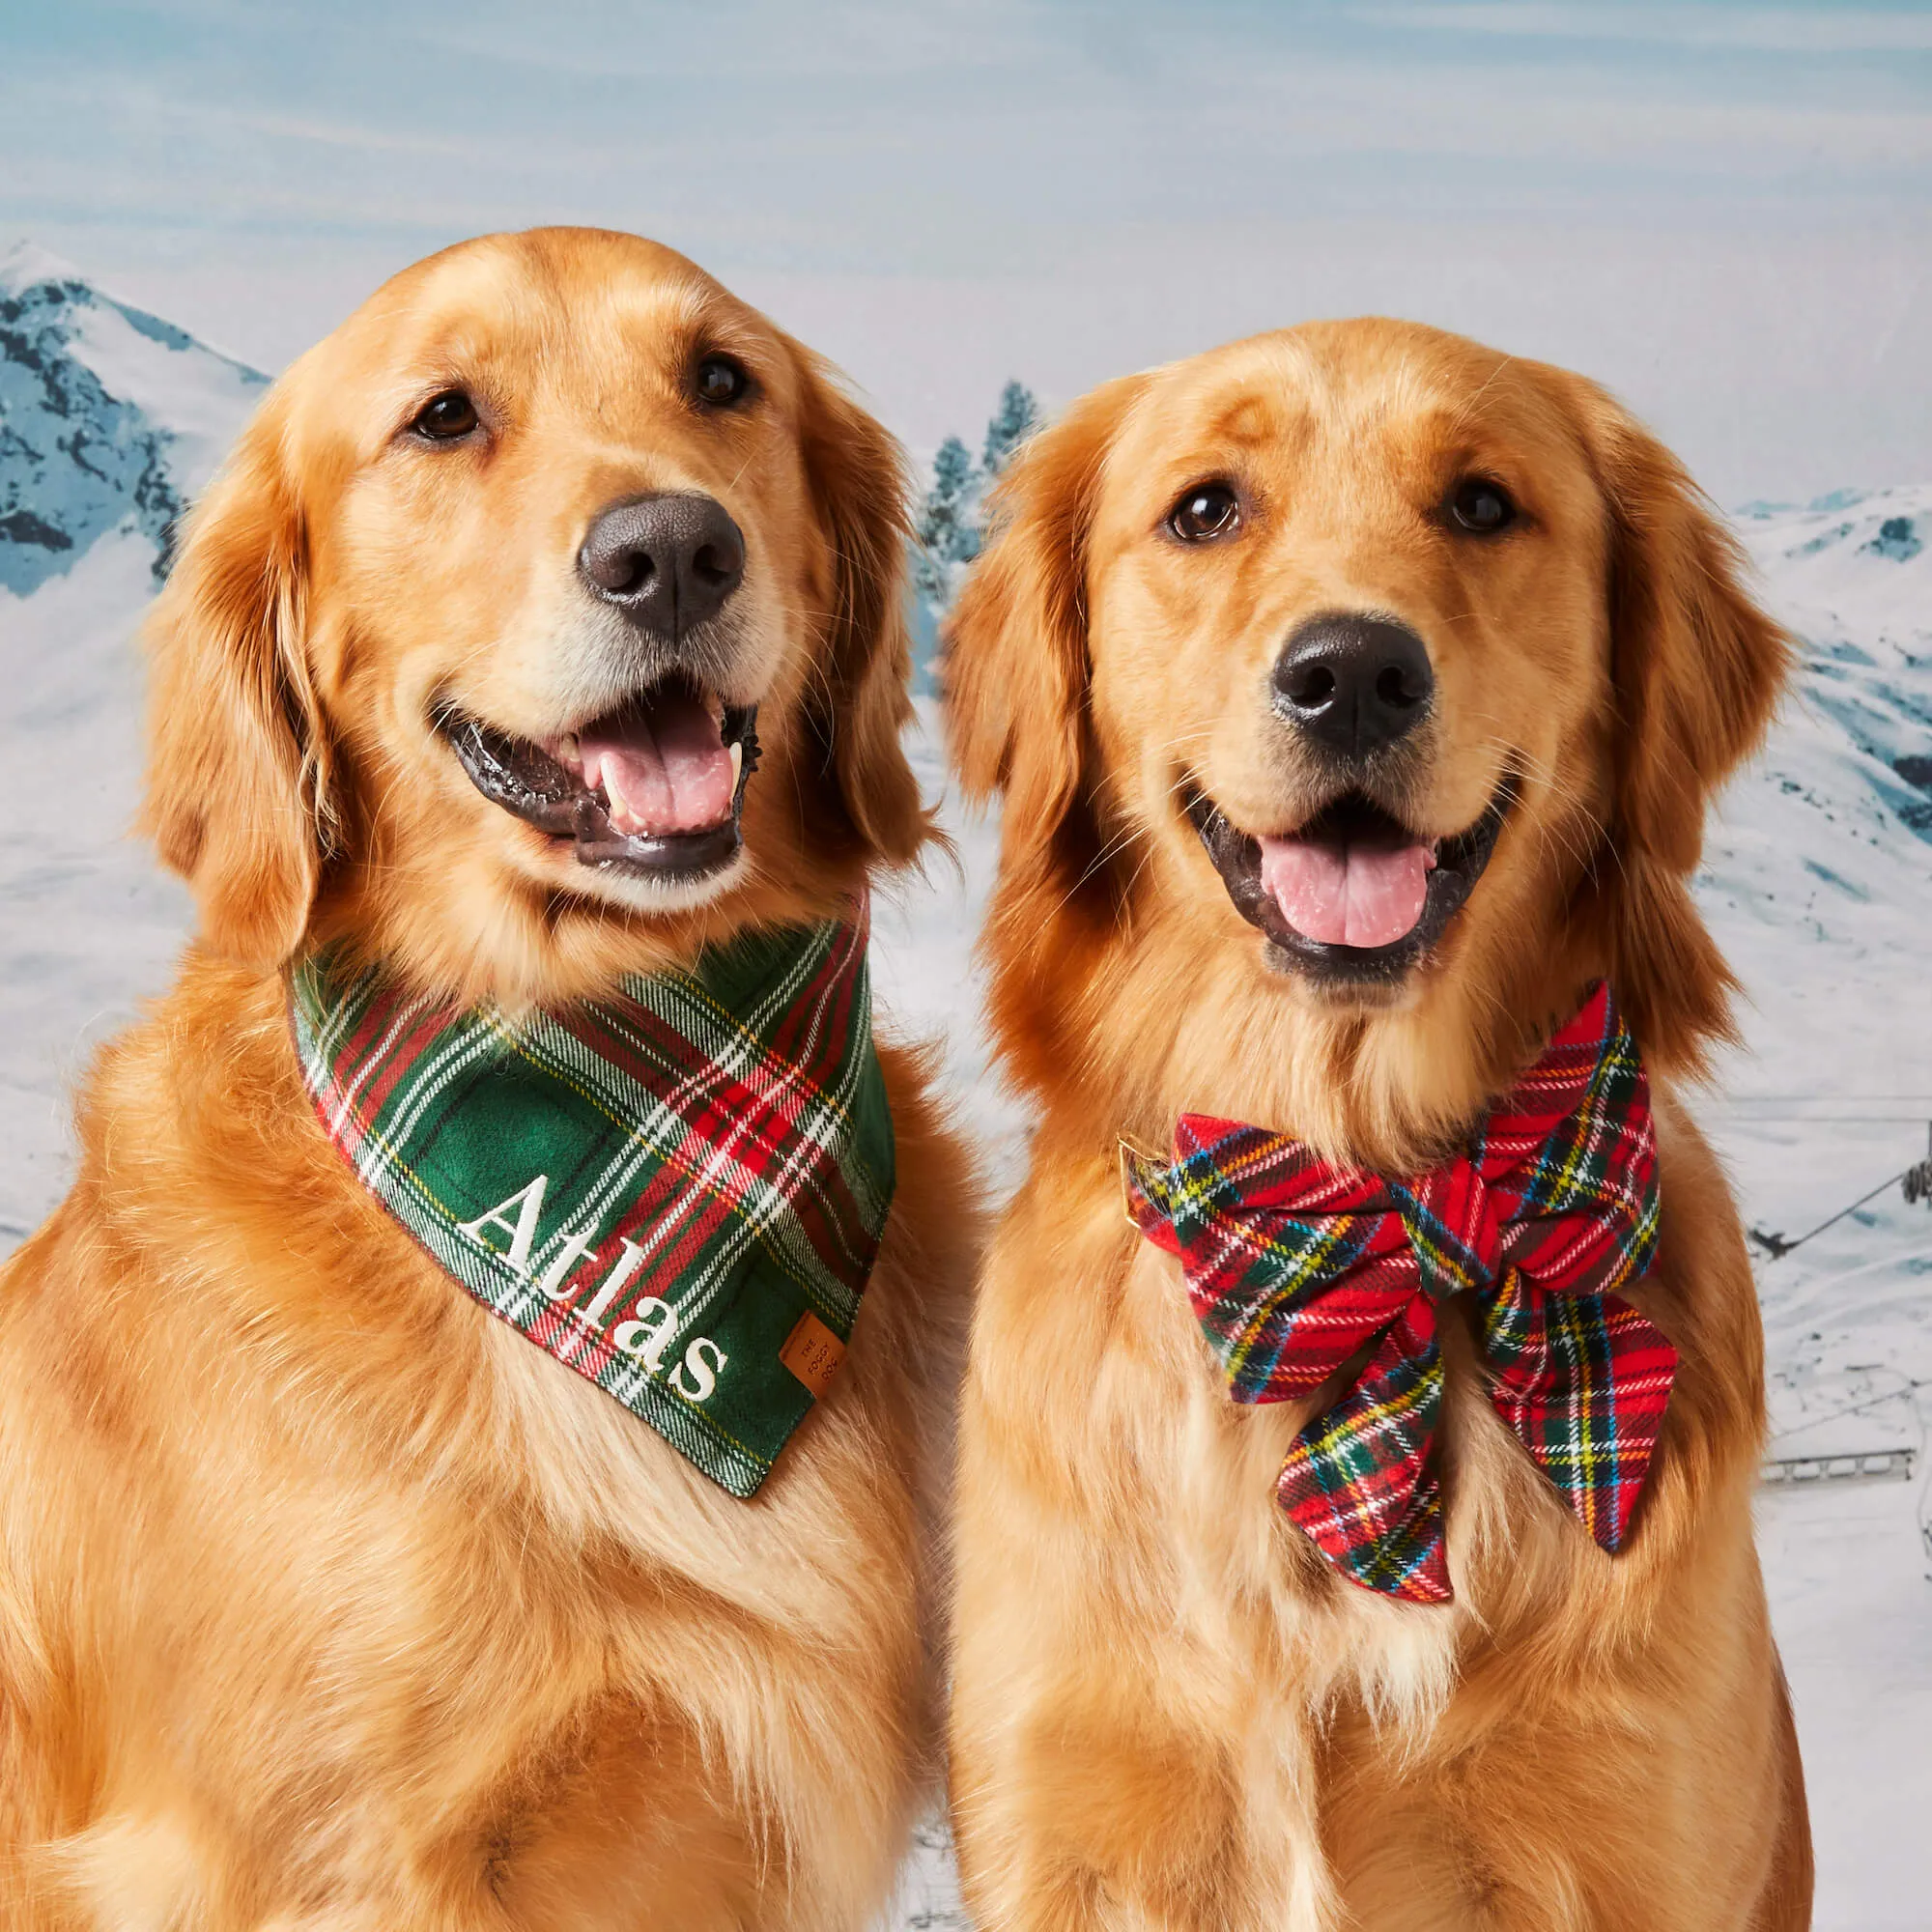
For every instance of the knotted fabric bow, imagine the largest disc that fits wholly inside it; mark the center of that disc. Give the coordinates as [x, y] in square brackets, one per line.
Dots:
[1295, 1267]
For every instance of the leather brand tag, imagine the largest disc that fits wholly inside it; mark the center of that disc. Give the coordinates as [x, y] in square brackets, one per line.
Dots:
[813, 1353]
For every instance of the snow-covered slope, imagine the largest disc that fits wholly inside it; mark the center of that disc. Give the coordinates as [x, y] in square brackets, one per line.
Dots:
[1819, 885]
[1818, 874]
[87, 924]
[1818, 881]
[110, 418]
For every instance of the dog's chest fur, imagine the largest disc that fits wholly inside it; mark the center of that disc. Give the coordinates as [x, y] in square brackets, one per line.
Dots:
[1243, 1571]
[1320, 1686]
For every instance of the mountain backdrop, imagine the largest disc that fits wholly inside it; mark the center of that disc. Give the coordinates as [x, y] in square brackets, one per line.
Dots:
[110, 419]
[1817, 880]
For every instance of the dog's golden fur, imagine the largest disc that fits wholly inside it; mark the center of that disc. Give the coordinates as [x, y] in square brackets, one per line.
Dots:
[1168, 1710]
[327, 1601]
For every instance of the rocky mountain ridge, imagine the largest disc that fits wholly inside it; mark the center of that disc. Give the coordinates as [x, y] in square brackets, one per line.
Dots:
[109, 418]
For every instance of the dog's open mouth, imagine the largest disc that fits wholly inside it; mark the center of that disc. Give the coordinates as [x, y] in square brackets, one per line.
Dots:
[654, 787]
[1353, 893]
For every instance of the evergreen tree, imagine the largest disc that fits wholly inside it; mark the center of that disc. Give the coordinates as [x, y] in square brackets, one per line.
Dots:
[949, 522]
[1011, 423]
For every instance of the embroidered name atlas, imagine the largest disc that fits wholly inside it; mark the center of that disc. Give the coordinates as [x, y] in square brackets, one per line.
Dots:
[653, 1323]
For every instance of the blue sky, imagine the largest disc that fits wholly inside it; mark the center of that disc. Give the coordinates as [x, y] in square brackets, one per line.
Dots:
[1724, 210]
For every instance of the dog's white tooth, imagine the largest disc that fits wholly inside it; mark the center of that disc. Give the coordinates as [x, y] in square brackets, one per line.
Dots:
[596, 777]
[737, 761]
[568, 749]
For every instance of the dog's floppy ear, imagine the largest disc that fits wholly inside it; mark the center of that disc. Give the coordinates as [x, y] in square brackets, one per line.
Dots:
[1697, 669]
[863, 701]
[1015, 666]
[237, 768]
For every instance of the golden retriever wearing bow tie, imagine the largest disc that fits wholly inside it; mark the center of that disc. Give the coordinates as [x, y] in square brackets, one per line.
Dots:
[1354, 695]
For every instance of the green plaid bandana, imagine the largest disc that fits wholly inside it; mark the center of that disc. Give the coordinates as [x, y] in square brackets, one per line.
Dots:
[678, 1191]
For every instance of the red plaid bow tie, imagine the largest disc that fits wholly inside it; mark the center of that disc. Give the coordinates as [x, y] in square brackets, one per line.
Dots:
[1294, 1268]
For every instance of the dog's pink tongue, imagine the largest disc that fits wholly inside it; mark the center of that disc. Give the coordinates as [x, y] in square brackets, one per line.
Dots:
[664, 769]
[1358, 894]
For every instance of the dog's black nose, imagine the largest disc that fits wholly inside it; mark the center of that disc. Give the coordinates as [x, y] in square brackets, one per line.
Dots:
[1354, 684]
[666, 562]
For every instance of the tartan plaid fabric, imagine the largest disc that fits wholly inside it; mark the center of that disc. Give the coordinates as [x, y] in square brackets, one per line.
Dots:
[1296, 1269]
[679, 1192]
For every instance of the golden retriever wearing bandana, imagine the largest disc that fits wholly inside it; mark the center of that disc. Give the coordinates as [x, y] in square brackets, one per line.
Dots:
[543, 629]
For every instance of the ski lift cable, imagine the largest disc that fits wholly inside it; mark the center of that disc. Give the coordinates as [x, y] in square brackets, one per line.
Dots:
[1777, 1247]
[1916, 1179]
[1907, 1391]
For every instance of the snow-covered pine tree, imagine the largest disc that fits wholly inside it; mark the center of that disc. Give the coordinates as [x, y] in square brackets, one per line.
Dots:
[951, 518]
[1011, 423]
[949, 524]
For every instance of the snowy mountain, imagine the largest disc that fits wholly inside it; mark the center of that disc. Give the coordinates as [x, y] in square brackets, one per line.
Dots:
[110, 419]
[1818, 870]
[1817, 880]
[1823, 850]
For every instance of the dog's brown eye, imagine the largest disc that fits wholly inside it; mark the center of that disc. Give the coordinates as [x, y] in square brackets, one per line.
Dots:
[1481, 506]
[446, 416]
[1206, 512]
[721, 382]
